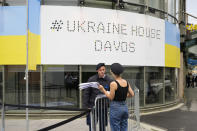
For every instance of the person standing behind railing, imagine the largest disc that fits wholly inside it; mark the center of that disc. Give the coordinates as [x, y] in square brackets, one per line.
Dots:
[90, 94]
[120, 89]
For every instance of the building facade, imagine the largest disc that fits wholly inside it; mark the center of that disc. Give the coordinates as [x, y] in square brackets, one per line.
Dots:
[75, 35]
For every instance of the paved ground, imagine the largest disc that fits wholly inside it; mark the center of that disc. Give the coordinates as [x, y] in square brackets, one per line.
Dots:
[20, 125]
[182, 119]
[76, 125]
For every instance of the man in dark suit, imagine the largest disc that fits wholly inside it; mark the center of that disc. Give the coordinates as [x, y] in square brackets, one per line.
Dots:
[90, 94]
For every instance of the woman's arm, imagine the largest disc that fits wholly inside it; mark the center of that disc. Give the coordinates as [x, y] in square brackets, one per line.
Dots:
[113, 88]
[130, 92]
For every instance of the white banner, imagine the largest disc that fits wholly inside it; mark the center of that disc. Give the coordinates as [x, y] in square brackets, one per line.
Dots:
[81, 35]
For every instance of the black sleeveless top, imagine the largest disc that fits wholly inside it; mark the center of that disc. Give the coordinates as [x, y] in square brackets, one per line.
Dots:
[121, 92]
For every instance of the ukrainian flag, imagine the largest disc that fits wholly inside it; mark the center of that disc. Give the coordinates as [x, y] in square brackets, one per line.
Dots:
[13, 35]
[13, 21]
[172, 45]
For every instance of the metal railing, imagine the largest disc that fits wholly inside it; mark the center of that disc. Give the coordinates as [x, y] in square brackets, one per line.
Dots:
[100, 113]
[120, 4]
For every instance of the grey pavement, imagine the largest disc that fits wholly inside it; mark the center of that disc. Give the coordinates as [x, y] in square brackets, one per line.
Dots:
[20, 125]
[76, 125]
[181, 119]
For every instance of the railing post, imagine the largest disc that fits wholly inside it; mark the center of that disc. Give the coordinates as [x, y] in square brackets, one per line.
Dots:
[80, 91]
[92, 119]
[3, 117]
[3, 100]
[136, 107]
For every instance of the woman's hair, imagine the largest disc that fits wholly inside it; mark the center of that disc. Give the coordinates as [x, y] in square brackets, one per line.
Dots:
[117, 68]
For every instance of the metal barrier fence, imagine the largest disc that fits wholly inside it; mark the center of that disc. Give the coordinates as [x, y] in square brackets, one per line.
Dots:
[100, 113]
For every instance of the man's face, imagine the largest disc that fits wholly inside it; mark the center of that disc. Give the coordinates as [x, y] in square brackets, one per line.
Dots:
[101, 71]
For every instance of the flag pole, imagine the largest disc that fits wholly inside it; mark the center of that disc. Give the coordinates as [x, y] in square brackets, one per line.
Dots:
[26, 71]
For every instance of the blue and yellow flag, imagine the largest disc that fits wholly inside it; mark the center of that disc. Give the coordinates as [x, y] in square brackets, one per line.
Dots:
[13, 35]
[34, 42]
[13, 23]
[172, 45]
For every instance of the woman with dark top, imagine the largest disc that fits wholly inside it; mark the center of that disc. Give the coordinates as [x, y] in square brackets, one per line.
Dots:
[120, 89]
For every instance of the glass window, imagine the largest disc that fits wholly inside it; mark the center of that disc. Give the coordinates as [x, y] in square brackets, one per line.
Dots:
[154, 85]
[60, 2]
[171, 10]
[15, 2]
[134, 8]
[135, 1]
[177, 8]
[108, 4]
[87, 72]
[157, 4]
[34, 87]
[90, 70]
[135, 76]
[154, 3]
[15, 86]
[60, 86]
[170, 84]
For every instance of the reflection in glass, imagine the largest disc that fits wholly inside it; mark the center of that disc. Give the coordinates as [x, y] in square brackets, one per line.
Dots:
[15, 86]
[60, 86]
[134, 8]
[154, 85]
[135, 76]
[108, 4]
[60, 2]
[171, 9]
[88, 71]
[170, 84]
[158, 4]
[14, 2]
